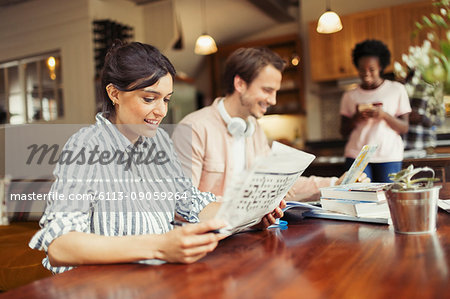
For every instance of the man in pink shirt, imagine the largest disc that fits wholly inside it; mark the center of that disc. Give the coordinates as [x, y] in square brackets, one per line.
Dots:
[221, 140]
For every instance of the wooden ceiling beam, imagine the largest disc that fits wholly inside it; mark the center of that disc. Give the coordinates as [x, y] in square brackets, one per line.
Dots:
[276, 9]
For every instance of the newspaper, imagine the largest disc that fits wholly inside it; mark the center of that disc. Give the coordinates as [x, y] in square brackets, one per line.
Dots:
[314, 210]
[259, 190]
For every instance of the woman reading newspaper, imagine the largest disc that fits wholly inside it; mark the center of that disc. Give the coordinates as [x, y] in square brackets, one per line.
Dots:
[127, 178]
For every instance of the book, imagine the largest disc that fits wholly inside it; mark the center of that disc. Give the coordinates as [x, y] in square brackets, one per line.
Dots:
[259, 190]
[444, 204]
[324, 214]
[360, 163]
[305, 209]
[356, 208]
[357, 191]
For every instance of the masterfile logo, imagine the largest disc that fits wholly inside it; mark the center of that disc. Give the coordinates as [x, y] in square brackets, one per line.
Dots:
[49, 154]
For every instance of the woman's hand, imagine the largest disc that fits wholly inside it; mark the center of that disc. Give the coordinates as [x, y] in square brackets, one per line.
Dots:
[271, 218]
[377, 112]
[348, 124]
[191, 242]
[363, 115]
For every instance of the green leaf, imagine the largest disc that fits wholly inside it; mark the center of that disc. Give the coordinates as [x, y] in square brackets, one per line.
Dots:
[439, 20]
[447, 85]
[404, 177]
[418, 25]
[427, 22]
[445, 48]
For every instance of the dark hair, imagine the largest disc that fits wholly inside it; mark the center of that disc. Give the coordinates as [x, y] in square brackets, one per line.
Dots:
[247, 63]
[132, 66]
[372, 47]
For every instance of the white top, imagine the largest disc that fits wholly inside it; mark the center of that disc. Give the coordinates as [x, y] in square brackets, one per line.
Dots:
[394, 99]
[238, 154]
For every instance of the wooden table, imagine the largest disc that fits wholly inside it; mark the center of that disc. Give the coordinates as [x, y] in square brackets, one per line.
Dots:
[313, 258]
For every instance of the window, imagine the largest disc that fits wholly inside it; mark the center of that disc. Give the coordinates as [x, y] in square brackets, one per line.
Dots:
[31, 89]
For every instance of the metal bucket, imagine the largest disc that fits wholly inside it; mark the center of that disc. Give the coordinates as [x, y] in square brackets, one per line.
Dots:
[415, 211]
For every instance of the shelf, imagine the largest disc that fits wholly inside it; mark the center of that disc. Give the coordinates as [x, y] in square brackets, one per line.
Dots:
[282, 108]
[288, 90]
[291, 69]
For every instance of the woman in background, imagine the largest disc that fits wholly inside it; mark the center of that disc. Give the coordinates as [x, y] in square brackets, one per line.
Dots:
[375, 112]
[131, 178]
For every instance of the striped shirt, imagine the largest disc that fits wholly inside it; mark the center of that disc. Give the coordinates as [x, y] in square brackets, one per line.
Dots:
[108, 186]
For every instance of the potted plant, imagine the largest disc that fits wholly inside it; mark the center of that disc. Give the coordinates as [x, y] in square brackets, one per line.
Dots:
[428, 66]
[413, 202]
[425, 70]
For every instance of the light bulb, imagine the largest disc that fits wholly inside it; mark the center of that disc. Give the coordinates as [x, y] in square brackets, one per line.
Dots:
[295, 60]
[205, 45]
[329, 22]
[51, 62]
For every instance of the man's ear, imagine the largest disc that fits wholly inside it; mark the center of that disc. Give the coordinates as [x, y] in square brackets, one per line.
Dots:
[113, 93]
[239, 84]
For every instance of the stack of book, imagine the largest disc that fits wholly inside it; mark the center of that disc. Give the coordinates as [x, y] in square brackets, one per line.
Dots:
[359, 200]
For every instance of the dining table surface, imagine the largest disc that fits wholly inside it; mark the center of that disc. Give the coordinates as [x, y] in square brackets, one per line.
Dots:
[310, 258]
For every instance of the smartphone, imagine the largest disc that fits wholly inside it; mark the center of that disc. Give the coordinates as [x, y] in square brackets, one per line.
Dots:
[368, 106]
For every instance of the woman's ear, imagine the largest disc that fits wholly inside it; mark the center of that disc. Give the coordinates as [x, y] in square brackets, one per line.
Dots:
[113, 93]
[239, 84]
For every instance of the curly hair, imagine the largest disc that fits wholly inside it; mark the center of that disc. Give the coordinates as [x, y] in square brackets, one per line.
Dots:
[372, 47]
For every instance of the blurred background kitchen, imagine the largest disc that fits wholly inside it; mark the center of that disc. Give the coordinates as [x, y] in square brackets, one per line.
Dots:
[51, 52]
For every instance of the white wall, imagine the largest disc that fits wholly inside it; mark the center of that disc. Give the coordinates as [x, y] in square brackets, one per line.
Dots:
[274, 31]
[159, 23]
[120, 11]
[36, 27]
[39, 26]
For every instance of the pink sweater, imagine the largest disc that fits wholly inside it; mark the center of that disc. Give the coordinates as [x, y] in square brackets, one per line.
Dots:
[204, 148]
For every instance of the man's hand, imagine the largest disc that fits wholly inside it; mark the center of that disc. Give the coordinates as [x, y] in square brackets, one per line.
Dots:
[363, 178]
[271, 218]
[290, 195]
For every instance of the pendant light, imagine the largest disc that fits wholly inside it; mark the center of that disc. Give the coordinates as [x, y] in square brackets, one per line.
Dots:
[205, 44]
[329, 21]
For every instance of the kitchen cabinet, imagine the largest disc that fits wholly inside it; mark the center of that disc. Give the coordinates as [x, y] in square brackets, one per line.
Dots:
[403, 25]
[374, 24]
[331, 53]
[290, 97]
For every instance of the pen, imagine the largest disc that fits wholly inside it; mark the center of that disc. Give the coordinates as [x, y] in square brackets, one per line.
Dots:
[181, 223]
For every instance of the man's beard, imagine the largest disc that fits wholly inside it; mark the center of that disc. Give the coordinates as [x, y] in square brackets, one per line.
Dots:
[247, 104]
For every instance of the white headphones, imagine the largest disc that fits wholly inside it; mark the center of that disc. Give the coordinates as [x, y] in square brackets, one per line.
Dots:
[236, 126]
